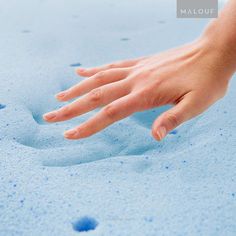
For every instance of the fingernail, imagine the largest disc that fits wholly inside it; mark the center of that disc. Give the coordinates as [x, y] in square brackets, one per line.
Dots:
[50, 115]
[61, 94]
[161, 132]
[70, 133]
[81, 69]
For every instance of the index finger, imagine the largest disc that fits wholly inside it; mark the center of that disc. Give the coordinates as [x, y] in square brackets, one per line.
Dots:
[113, 112]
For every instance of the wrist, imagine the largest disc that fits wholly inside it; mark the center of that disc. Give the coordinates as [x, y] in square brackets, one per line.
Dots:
[215, 59]
[222, 45]
[221, 35]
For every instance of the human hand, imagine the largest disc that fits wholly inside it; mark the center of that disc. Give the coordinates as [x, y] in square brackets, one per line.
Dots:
[191, 78]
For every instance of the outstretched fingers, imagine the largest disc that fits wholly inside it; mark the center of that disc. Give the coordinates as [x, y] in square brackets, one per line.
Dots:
[92, 100]
[99, 79]
[113, 112]
[120, 64]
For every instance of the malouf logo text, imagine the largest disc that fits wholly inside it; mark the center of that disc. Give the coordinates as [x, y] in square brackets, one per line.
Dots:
[201, 11]
[197, 8]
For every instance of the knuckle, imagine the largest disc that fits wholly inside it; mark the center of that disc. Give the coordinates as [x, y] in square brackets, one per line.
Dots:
[150, 70]
[95, 95]
[110, 111]
[99, 77]
[65, 111]
[172, 118]
[148, 100]
[146, 73]
[100, 74]
[112, 65]
[80, 129]
[155, 101]
[140, 74]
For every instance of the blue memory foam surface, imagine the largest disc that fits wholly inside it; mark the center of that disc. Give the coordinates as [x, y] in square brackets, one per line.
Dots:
[120, 181]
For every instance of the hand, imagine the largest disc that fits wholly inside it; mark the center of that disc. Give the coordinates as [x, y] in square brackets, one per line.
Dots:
[191, 78]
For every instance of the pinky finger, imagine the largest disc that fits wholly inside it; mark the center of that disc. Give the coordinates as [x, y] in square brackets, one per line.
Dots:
[120, 64]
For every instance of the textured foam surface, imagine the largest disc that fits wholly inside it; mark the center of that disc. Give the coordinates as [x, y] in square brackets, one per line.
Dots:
[120, 181]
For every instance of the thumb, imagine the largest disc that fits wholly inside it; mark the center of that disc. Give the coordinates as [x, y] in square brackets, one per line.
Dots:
[186, 109]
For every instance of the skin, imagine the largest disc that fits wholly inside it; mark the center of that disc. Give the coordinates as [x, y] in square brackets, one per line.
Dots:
[191, 78]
